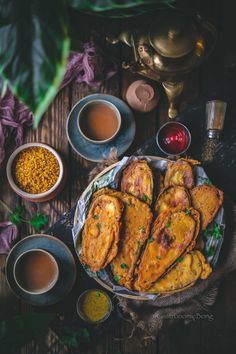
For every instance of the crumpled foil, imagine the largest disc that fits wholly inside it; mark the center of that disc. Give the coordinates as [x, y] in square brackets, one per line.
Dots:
[112, 179]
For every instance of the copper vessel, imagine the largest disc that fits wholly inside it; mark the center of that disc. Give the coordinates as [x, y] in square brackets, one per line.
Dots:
[167, 49]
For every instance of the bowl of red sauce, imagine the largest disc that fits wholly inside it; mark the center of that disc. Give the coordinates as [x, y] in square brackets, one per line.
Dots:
[173, 138]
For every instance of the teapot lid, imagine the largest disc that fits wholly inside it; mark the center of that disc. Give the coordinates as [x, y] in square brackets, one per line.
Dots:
[172, 35]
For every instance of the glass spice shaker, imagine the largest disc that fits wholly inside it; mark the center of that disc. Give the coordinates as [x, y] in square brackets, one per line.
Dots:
[215, 116]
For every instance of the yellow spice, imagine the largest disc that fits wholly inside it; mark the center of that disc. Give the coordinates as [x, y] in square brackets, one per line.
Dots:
[35, 170]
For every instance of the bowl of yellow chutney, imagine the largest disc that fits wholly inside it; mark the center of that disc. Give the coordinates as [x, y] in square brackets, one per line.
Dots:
[94, 306]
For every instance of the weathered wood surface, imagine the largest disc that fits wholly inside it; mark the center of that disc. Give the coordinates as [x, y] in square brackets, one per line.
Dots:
[201, 336]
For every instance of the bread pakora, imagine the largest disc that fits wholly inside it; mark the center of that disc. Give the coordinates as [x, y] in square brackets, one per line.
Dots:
[137, 179]
[173, 233]
[171, 198]
[137, 218]
[101, 232]
[183, 275]
[179, 173]
[207, 200]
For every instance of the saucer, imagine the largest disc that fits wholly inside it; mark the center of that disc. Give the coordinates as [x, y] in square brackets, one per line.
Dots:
[95, 152]
[66, 263]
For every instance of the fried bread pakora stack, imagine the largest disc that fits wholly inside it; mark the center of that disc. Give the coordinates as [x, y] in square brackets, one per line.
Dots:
[146, 254]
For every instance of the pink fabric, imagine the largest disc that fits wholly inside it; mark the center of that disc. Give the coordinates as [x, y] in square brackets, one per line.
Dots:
[8, 236]
[90, 67]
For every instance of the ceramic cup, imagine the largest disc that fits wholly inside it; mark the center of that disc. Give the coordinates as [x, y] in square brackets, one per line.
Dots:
[36, 271]
[99, 121]
[40, 197]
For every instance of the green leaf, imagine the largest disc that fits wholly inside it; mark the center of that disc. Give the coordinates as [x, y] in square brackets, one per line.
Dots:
[210, 251]
[38, 221]
[34, 50]
[96, 217]
[117, 277]
[19, 330]
[217, 232]
[17, 215]
[119, 8]
[168, 224]
[145, 198]
[123, 266]
[180, 259]
[188, 212]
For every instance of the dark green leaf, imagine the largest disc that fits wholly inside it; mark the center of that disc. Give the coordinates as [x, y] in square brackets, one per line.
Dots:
[119, 8]
[207, 182]
[168, 224]
[34, 50]
[210, 251]
[38, 221]
[19, 330]
[17, 215]
[96, 217]
[72, 337]
[123, 266]
[188, 212]
[217, 232]
[179, 259]
[145, 198]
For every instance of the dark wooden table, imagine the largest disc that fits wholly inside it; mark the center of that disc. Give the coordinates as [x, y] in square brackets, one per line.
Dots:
[201, 336]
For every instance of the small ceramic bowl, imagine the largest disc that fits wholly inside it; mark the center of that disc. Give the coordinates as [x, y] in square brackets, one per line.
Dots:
[81, 313]
[17, 273]
[82, 116]
[40, 197]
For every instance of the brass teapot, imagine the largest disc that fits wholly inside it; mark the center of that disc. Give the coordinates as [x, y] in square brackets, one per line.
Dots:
[167, 49]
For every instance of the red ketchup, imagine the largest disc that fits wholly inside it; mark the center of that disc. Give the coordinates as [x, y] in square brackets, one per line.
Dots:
[173, 138]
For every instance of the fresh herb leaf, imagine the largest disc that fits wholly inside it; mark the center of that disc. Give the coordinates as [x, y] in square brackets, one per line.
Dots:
[123, 265]
[117, 277]
[73, 337]
[210, 251]
[216, 232]
[142, 229]
[158, 258]
[151, 239]
[96, 217]
[179, 259]
[168, 224]
[207, 182]
[188, 212]
[98, 294]
[38, 221]
[17, 215]
[99, 226]
[145, 198]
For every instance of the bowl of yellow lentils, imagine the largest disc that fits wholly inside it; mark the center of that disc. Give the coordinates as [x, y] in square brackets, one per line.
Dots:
[35, 171]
